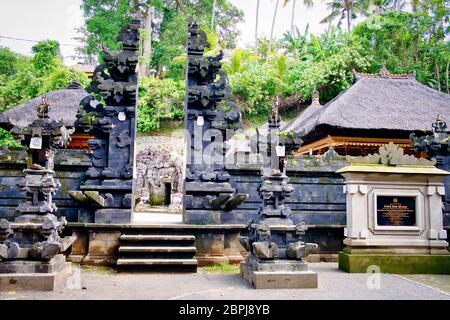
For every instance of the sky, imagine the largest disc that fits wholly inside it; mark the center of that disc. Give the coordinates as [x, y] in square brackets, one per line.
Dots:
[58, 19]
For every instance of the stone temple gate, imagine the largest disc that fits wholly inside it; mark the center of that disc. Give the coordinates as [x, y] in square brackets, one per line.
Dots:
[218, 192]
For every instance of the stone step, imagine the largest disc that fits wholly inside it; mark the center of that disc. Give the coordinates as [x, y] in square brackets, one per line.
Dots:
[156, 262]
[139, 249]
[147, 237]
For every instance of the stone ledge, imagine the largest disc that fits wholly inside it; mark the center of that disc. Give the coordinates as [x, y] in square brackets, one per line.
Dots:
[35, 281]
[157, 226]
[400, 264]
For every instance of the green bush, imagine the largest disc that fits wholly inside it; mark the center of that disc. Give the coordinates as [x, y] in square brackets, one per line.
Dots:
[158, 100]
[330, 74]
[255, 88]
[32, 77]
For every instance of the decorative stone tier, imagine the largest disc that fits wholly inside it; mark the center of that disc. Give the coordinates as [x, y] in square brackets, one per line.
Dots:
[278, 274]
[98, 244]
[25, 275]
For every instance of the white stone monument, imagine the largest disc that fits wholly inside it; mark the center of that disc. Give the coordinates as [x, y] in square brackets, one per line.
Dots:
[394, 214]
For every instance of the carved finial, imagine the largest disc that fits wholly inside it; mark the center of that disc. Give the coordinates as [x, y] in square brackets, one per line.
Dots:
[42, 109]
[74, 84]
[384, 72]
[439, 126]
[412, 75]
[275, 116]
[315, 97]
[330, 154]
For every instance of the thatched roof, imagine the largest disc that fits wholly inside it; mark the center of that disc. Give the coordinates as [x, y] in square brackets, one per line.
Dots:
[376, 102]
[63, 103]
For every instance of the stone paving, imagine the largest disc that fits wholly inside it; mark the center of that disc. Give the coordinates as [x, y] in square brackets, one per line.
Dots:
[101, 283]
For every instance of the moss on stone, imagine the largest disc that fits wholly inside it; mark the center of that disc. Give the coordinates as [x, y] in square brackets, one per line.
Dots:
[222, 268]
[401, 264]
[156, 200]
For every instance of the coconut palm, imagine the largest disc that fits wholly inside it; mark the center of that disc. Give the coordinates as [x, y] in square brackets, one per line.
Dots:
[256, 26]
[213, 13]
[381, 6]
[307, 3]
[346, 9]
[271, 30]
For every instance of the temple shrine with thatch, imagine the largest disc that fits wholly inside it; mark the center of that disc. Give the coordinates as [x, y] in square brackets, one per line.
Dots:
[376, 109]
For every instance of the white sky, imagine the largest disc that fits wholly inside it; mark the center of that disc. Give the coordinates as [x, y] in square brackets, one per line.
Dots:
[57, 19]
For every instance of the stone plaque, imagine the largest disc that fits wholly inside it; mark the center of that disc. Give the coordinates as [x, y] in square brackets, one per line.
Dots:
[396, 211]
[36, 143]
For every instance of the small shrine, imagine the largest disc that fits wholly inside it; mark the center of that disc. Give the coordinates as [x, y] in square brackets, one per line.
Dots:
[377, 109]
[31, 246]
[274, 241]
[65, 103]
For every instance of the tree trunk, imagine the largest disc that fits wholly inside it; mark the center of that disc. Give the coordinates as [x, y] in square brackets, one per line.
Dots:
[446, 75]
[349, 19]
[293, 16]
[271, 31]
[213, 14]
[438, 76]
[256, 26]
[144, 65]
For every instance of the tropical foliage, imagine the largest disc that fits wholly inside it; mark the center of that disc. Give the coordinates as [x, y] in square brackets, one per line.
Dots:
[24, 78]
[361, 34]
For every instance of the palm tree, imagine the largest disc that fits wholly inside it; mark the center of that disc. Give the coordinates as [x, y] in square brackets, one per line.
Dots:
[381, 6]
[256, 27]
[307, 3]
[271, 30]
[346, 9]
[213, 13]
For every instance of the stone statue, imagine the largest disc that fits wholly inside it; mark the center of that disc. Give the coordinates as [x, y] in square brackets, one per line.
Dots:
[436, 147]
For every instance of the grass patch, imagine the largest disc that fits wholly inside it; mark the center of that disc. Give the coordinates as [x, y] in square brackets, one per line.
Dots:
[222, 268]
[101, 270]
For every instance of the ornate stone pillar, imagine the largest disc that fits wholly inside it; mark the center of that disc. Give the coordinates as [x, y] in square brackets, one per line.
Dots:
[107, 192]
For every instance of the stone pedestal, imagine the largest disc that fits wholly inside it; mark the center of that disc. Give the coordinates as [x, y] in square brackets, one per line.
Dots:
[278, 274]
[26, 275]
[394, 215]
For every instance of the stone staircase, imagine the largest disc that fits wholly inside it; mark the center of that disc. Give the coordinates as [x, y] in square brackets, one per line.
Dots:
[157, 250]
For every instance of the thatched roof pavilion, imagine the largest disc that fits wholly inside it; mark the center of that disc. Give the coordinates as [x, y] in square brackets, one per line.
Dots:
[378, 108]
[64, 106]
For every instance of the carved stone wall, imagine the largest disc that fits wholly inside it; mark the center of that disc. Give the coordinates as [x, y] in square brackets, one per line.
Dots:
[70, 168]
[159, 165]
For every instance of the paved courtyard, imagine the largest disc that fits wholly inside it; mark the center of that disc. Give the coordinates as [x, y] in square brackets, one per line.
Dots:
[101, 283]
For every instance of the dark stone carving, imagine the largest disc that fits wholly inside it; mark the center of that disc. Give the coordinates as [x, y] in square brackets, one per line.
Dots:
[107, 192]
[35, 232]
[207, 188]
[273, 238]
[436, 146]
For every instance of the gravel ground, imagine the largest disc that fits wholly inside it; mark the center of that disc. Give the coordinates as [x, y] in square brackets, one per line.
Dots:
[100, 283]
